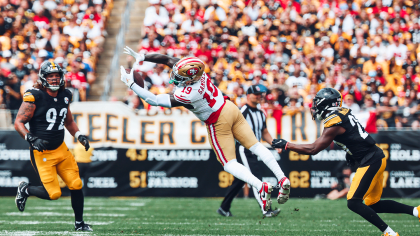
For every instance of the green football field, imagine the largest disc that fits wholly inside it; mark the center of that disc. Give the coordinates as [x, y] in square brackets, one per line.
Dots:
[194, 216]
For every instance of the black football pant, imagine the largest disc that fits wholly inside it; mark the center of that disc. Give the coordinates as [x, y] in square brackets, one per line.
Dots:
[250, 161]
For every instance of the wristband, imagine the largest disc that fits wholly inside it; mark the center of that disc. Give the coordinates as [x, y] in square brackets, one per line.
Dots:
[77, 134]
[285, 147]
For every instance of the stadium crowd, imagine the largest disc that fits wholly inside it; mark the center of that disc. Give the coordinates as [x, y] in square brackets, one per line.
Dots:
[366, 49]
[69, 33]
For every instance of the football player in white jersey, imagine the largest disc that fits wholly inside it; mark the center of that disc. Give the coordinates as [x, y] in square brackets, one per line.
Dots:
[223, 119]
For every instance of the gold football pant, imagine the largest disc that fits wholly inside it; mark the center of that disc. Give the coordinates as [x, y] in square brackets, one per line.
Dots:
[52, 162]
[230, 125]
[367, 183]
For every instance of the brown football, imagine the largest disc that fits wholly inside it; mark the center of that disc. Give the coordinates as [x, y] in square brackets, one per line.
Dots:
[137, 78]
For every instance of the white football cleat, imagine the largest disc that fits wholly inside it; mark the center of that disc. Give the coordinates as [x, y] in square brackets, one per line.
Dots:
[284, 191]
[265, 195]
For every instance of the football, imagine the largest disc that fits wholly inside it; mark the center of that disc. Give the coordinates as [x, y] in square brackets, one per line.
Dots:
[137, 78]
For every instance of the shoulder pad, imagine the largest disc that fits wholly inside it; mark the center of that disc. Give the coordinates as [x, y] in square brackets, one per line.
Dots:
[30, 95]
[332, 120]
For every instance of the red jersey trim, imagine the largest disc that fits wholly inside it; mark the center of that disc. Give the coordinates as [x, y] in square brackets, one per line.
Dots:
[215, 115]
[182, 100]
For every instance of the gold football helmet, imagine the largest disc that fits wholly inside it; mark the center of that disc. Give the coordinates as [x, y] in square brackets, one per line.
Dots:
[188, 69]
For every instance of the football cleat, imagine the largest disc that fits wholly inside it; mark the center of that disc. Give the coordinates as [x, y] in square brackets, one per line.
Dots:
[82, 227]
[224, 213]
[271, 213]
[284, 192]
[265, 195]
[21, 195]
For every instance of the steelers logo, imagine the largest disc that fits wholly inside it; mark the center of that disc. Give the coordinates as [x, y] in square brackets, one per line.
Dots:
[192, 71]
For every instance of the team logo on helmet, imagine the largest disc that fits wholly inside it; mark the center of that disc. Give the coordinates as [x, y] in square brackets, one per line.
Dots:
[192, 71]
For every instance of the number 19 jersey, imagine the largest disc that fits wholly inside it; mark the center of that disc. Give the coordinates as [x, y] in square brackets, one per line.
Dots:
[355, 141]
[205, 99]
[47, 123]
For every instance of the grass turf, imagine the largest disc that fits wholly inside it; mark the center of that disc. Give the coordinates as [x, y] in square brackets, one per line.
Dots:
[194, 216]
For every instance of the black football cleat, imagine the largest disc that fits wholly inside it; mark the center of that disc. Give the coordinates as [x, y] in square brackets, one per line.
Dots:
[224, 213]
[21, 195]
[82, 227]
[271, 213]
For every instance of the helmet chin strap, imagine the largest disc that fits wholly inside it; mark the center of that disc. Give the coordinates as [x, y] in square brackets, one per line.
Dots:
[54, 88]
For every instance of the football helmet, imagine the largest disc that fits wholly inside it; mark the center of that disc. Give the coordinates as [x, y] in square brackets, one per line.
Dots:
[188, 69]
[48, 67]
[327, 99]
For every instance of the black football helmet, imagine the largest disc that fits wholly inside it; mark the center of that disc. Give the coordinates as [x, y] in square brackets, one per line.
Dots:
[326, 99]
[48, 67]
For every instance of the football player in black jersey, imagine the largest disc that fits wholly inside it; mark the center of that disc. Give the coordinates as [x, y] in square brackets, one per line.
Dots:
[46, 109]
[343, 128]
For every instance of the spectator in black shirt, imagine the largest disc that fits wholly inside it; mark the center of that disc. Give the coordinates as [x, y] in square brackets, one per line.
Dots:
[11, 94]
[21, 71]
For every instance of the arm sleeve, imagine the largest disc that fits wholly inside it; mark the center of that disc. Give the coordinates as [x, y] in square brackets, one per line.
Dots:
[154, 100]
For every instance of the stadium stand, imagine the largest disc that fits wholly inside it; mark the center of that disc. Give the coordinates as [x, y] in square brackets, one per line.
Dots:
[70, 33]
[368, 50]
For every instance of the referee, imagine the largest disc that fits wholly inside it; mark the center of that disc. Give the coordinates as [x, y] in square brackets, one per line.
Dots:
[257, 120]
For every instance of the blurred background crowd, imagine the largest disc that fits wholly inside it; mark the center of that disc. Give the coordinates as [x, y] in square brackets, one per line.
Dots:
[70, 33]
[366, 49]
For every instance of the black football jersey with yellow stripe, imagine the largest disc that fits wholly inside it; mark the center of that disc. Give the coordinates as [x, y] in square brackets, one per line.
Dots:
[50, 113]
[355, 141]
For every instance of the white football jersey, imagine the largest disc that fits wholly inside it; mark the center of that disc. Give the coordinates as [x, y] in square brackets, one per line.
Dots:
[204, 96]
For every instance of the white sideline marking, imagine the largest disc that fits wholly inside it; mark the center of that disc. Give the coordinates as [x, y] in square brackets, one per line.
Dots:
[32, 233]
[98, 203]
[52, 222]
[59, 214]
[184, 223]
[85, 208]
[138, 204]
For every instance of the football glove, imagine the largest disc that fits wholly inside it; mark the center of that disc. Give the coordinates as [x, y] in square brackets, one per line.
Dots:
[128, 79]
[350, 161]
[84, 141]
[36, 143]
[279, 143]
[138, 56]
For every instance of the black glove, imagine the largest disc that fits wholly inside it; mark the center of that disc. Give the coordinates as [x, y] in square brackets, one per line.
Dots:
[350, 161]
[279, 143]
[84, 141]
[36, 143]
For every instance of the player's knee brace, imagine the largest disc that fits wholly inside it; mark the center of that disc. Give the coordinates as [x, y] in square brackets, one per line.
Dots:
[55, 195]
[76, 185]
[355, 204]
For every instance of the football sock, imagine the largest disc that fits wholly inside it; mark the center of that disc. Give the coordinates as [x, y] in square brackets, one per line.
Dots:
[415, 212]
[389, 206]
[241, 172]
[390, 232]
[357, 206]
[38, 191]
[268, 159]
[77, 202]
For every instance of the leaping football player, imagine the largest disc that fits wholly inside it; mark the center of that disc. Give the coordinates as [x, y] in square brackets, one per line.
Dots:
[46, 109]
[343, 128]
[223, 119]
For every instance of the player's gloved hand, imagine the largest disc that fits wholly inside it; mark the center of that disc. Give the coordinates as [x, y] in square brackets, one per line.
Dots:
[37, 143]
[84, 141]
[279, 143]
[128, 79]
[138, 56]
[350, 161]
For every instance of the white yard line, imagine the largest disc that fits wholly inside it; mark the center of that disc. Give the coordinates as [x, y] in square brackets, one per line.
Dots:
[52, 208]
[52, 222]
[59, 214]
[32, 233]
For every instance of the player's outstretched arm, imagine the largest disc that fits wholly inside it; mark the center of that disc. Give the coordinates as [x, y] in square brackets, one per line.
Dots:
[156, 58]
[314, 148]
[71, 126]
[25, 113]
